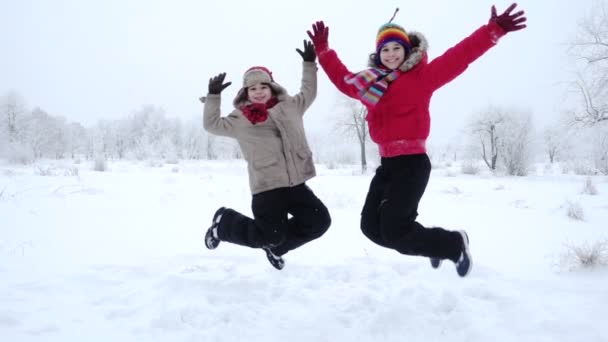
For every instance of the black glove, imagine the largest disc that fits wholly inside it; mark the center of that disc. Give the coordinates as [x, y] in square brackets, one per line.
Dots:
[507, 21]
[216, 84]
[308, 55]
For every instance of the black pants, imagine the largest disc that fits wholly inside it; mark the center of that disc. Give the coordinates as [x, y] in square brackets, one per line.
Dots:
[271, 226]
[389, 214]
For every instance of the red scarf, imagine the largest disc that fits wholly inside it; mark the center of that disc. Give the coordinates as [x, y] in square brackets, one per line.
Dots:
[258, 112]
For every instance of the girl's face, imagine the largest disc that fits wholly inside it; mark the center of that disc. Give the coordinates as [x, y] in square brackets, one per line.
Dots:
[259, 93]
[392, 55]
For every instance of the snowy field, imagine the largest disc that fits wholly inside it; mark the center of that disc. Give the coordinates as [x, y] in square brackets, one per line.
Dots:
[119, 256]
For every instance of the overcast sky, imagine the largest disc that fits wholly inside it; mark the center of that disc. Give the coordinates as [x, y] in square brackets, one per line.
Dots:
[92, 60]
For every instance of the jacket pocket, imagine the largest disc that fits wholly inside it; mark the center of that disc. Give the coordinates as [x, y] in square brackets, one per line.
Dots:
[305, 164]
[304, 154]
[266, 172]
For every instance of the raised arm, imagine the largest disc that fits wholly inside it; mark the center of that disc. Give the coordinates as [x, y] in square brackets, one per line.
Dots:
[212, 120]
[308, 89]
[331, 64]
[455, 60]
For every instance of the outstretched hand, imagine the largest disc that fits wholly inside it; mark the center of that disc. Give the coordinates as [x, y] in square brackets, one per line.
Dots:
[319, 36]
[308, 55]
[507, 21]
[216, 84]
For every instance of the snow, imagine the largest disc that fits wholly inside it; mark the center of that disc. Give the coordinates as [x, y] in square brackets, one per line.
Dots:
[119, 256]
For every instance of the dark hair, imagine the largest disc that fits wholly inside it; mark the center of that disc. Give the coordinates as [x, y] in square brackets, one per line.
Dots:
[241, 96]
[372, 58]
[375, 57]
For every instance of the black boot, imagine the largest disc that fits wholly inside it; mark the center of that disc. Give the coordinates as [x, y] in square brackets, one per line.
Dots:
[275, 260]
[464, 263]
[211, 241]
[436, 262]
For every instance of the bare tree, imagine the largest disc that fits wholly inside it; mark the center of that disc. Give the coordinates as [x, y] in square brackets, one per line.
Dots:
[503, 137]
[484, 128]
[76, 139]
[47, 134]
[211, 147]
[516, 143]
[105, 138]
[150, 133]
[353, 123]
[12, 108]
[556, 141]
[176, 137]
[122, 139]
[591, 47]
[591, 43]
[594, 96]
[552, 143]
[600, 148]
[194, 140]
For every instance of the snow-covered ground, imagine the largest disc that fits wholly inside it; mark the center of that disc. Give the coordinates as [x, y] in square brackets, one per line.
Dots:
[119, 256]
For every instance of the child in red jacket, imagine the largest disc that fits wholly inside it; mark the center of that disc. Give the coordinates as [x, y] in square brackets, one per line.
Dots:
[397, 90]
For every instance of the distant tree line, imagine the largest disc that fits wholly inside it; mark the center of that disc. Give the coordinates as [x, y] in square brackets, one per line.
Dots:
[501, 138]
[27, 135]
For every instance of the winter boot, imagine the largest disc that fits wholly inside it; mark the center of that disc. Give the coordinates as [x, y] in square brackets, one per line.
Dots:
[211, 238]
[464, 263]
[275, 260]
[436, 262]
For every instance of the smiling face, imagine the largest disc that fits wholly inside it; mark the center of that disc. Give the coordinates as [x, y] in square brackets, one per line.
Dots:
[259, 93]
[392, 55]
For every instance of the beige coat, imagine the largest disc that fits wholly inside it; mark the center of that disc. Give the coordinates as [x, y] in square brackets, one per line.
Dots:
[276, 150]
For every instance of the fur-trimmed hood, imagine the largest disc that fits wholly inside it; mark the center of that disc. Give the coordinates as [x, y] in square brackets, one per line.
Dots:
[419, 48]
[241, 97]
[255, 75]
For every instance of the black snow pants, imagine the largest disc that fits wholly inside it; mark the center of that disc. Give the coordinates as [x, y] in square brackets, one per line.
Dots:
[271, 227]
[389, 214]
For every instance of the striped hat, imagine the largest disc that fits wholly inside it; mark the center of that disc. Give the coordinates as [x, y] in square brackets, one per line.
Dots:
[390, 32]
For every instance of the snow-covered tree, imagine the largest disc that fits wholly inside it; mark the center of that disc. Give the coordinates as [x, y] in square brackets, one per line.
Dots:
[591, 48]
[194, 140]
[517, 143]
[483, 128]
[76, 139]
[12, 110]
[104, 139]
[600, 148]
[504, 136]
[557, 141]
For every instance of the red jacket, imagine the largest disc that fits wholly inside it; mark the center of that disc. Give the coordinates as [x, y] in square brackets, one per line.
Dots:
[400, 122]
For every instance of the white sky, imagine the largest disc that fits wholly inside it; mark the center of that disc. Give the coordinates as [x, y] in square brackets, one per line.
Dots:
[92, 60]
[119, 256]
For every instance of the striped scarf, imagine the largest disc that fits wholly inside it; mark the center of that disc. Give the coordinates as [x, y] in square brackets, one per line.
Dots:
[372, 83]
